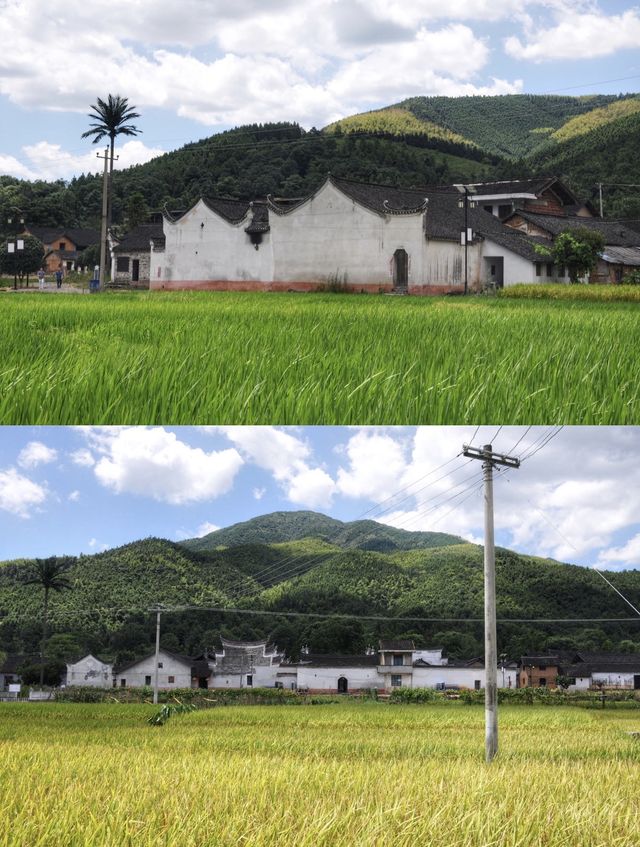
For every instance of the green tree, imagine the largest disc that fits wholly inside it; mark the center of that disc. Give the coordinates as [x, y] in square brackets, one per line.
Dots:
[50, 574]
[578, 250]
[137, 210]
[22, 262]
[110, 119]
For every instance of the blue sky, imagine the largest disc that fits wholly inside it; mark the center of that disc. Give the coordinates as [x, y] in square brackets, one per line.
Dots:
[195, 67]
[66, 490]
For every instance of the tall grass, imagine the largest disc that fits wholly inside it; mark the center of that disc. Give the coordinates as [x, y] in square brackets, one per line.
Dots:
[365, 774]
[189, 358]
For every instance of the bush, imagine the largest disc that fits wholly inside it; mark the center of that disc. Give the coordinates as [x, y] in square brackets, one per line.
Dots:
[632, 278]
[415, 695]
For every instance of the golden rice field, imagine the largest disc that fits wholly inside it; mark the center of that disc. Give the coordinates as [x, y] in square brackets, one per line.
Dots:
[246, 358]
[355, 774]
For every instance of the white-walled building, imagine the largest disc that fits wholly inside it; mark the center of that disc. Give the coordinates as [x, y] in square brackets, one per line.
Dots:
[90, 670]
[245, 664]
[174, 671]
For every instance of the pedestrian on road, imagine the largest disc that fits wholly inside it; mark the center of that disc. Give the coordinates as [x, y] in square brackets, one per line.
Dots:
[59, 278]
[41, 279]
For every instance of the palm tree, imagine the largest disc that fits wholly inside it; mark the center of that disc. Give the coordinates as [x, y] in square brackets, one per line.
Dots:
[48, 573]
[109, 120]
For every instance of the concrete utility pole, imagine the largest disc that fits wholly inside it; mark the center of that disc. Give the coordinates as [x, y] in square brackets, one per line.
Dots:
[600, 193]
[103, 227]
[158, 611]
[489, 459]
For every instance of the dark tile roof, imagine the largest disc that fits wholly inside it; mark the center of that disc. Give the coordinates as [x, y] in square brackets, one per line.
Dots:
[489, 226]
[539, 660]
[384, 199]
[233, 211]
[321, 661]
[259, 218]
[400, 645]
[140, 238]
[535, 185]
[81, 237]
[616, 233]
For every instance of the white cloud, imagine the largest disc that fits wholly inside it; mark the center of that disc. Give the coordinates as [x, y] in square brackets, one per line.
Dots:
[74, 496]
[36, 453]
[377, 465]
[288, 459]
[205, 528]
[258, 493]
[626, 556]
[83, 457]
[19, 495]
[98, 546]
[579, 36]
[154, 463]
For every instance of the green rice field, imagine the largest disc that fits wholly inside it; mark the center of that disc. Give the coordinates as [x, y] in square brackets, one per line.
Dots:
[353, 773]
[204, 358]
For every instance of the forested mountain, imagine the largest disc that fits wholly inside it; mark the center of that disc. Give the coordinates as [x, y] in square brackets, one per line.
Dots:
[292, 526]
[432, 581]
[421, 141]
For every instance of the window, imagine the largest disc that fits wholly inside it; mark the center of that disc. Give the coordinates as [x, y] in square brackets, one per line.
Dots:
[147, 680]
[542, 667]
[549, 268]
[538, 268]
[396, 680]
[249, 680]
[63, 245]
[504, 210]
[542, 681]
[279, 684]
[159, 664]
[122, 264]
[172, 680]
[476, 684]
[123, 683]
[398, 659]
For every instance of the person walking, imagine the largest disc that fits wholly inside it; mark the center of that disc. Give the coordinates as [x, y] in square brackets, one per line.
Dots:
[59, 278]
[41, 279]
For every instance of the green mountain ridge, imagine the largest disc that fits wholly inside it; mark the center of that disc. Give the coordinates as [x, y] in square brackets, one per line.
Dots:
[420, 141]
[342, 595]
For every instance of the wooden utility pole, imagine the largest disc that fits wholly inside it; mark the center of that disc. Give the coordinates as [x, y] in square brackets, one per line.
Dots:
[489, 459]
[103, 228]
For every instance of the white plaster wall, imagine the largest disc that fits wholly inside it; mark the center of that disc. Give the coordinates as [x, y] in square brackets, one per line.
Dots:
[135, 675]
[516, 268]
[327, 678]
[462, 677]
[614, 680]
[582, 683]
[90, 671]
[434, 657]
[330, 234]
[204, 246]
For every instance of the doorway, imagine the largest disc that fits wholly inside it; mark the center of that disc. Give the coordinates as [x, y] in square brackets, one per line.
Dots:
[135, 270]
[400, 270]
[343, 685]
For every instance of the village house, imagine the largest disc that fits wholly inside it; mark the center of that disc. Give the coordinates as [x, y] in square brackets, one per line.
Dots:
[90, 670]
[363, 237]
[131, 254]
[63, 246]
[174, 671]
[539, 672]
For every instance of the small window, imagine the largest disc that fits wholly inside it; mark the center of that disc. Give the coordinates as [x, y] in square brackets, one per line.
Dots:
[63, 245]
[542, 681]
[538, 268]
[549, 268]
[160, 664]
[542, 668]
[396, 680]
[122, 264]
[504, 210]
[172, 680]
[279, 684]
[398, 659]
[249, 680]
[147, 680]
[123, 683]
[476, 684]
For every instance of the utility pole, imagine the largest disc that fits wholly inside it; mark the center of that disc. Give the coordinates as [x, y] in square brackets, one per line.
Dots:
[157, 610]
[600, 194]
[103, 227]
[489, 460]
[467, 235]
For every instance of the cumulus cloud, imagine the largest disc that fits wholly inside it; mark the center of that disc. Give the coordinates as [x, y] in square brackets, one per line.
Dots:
[288, 459]
[19, 495]
[154, 463]
[36, 453]
[625, 556]
[582, 36]
[74, 496]
[83, 457]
